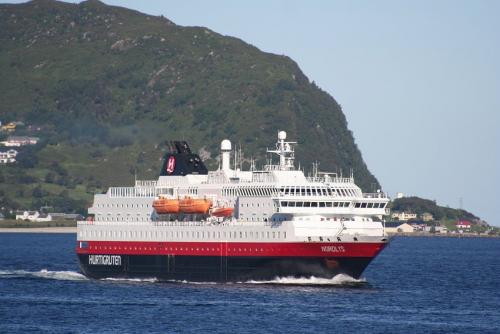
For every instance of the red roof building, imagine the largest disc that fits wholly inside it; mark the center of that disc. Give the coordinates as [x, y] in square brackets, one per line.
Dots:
[463, 224]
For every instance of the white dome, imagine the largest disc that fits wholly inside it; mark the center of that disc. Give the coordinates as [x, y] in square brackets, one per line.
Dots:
[225, 145]
[282, 135]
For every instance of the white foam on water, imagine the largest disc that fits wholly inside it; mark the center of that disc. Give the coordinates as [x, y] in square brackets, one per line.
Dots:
[191, 282]
[135, 280]
[64, 275]
[340, 279]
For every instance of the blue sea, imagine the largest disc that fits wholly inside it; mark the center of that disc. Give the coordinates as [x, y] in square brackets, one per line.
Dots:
[417, 285]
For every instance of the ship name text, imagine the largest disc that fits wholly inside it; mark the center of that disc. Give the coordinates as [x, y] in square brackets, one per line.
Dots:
[333, 249]
[105, 260]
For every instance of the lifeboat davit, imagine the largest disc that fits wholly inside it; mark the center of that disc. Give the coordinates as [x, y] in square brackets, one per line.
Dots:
[222, 212]
[195, 205]
[165, 205]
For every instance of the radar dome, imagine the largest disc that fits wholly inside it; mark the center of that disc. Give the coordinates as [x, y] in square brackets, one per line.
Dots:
[225, 145]
[282, 135]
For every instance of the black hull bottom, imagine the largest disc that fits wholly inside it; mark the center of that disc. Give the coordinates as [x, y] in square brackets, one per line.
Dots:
[216, 268]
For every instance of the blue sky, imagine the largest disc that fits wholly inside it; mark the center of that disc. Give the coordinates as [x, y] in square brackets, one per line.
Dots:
[419, 82]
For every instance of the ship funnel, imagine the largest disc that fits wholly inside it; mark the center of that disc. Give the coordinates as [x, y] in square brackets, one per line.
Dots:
[225, 148]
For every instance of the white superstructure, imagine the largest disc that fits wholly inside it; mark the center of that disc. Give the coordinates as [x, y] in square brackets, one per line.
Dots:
[277, 203]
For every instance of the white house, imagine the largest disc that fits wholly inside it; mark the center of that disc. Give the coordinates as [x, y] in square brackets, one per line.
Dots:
[403, 216]
[397, 227]
[463, 225]
[8, 157]
[33, 216]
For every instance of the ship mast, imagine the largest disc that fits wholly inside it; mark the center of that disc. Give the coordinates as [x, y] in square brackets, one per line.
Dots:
[286, 152]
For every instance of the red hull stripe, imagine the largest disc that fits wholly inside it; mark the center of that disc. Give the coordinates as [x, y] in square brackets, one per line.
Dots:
[295, 249]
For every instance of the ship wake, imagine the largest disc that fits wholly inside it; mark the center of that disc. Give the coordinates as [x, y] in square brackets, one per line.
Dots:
[64, 275]
[338, 280]
[130, 280]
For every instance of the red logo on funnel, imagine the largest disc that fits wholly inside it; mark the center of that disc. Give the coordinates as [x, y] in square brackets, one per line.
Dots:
[170, 165]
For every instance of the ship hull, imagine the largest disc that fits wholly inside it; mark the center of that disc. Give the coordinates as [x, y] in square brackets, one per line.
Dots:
[217, 268]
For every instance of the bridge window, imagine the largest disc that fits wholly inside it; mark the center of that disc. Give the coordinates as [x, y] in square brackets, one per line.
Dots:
[370, 205]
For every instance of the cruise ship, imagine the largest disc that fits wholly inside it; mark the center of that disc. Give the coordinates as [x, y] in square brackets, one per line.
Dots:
[232, 224]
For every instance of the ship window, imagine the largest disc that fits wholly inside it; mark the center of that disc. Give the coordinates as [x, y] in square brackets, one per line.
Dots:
[268, 235]
[314, 204]
[382, 205]
[284, 203]
[370, 205]
[357, 205]
[307, 204]
[300, 204]
[335, 204]
[321, 204]
[274, 235]
[292, 204]
[363, 205]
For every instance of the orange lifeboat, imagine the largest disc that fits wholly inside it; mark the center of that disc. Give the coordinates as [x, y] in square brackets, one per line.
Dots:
[195, 205]
[222, 212]
[165, 205]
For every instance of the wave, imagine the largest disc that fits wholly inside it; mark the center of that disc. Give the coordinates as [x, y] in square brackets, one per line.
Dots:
[134, 280]
[64, 275]
[338, 280]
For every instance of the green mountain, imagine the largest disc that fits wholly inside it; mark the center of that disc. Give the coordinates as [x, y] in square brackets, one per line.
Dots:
[104, 87]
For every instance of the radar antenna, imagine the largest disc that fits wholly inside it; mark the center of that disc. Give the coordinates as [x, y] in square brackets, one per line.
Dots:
[286, 152]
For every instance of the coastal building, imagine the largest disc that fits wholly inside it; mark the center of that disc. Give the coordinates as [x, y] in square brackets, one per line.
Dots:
[419, 225]
[441, 229]
[8, 157]
[8, 127]
[33, 216]
[403, 216]
[427, 217]
[398, 227]
[463, 225]
[17, 141]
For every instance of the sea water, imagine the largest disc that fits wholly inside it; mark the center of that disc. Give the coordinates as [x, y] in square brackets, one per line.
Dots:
[416, 285]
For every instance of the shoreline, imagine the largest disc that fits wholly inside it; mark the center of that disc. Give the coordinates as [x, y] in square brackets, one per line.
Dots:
[56, 229]
[447, 235]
